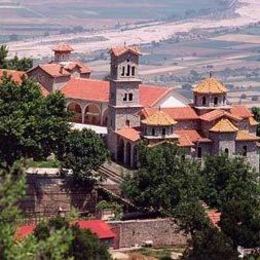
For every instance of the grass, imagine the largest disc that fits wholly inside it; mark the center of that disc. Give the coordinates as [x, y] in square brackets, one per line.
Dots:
[53, 163]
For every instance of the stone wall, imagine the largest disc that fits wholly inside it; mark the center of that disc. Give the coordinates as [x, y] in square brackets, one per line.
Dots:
[163, 232]
[47, 195]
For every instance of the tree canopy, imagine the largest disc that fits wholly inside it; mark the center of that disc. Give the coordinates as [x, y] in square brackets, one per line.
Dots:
[31, 125]
[256, 112]
[84, 151]
[15, 63]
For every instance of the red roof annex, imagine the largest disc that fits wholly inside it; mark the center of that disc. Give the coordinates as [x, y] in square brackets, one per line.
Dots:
[98, 90]
[14, 74]
[98, 227]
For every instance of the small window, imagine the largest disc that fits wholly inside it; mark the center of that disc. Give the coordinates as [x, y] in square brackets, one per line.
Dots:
[215, 101]
[125, 97]
[244, 153]
[199, 152]
[227, 151]
[123, 71]
[128, 70]
[163, 131]
[127, 122]
[153, 132]
[204, 101]
[130, 97]
[133, 71]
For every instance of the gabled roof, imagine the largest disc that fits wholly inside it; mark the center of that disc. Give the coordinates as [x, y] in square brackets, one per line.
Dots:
[252, 121]
[241, 111]
[243, 135]
[14, 74]
[130, 134]
[98, 90]
[159, 118]
[216, 114]
[54, 70]
[224, 126]
[120, 50]
[210, 86]
[69, 66]
[189, 137]
[181, 113]
[63, 47]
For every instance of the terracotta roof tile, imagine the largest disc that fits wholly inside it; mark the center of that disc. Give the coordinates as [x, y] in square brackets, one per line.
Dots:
[210, 86]
[69, 66]
[252, 121]
[214, 216]
[24, 231]
[189, 137]
[241, 111]
[224, 126]
[131, 134]
[63, 47]
[54, 70]
[120, 50]
[159, 118]
[14, 74]
[181, 113]
[98, 90]
[216, 114]
[243, 135]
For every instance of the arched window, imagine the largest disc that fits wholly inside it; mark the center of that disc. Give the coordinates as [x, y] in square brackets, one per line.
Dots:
[244, 153]
[227, 151]
[224, 100]
[163, 131]
[130, 97]
[133, 71]
[125, 97]
[153, 132]
[128, 70]
[215, 101]
[199, 152]
[127, 123]
[204, 101]
[123, 71]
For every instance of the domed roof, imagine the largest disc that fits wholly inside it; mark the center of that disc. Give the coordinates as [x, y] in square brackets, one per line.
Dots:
[63, 47]
[210, 86]
[224, 126]
[159, 118]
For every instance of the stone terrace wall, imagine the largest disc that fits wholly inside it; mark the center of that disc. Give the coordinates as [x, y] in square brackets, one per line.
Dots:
[163, 232]
[46, 195]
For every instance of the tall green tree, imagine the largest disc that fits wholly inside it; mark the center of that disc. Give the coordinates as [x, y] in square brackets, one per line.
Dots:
[164, 179]
[14, 63]
[31, 125]
[233, 188]
[84, 151]
[256, 112]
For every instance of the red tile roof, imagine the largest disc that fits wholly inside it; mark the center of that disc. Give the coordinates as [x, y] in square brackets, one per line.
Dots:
[130, 134]
[120, 50]
[98, 90]
[54, 70]
[14, 74]
[181, 113]
[63, 47]
[190, 137]
[44, 91]
[241, 111]
[216, 114]
[98, 227]
[82, 67]
[214, 217]
[24, 231]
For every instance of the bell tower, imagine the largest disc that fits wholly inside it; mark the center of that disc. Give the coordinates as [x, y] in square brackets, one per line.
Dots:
[124, 97]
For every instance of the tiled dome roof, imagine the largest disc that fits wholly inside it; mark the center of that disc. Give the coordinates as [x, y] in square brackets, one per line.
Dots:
[224, 126]
[210, 86]
[159, 118]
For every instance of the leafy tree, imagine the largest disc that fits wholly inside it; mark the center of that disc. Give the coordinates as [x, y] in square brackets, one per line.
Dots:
[164, 179]
[31, 126]
[233, 188]
[3, 55]
[15, 63]
[256, 112]
[84, 151]
[228, 179]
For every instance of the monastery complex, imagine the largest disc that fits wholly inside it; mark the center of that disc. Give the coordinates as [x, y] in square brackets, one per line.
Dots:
[126, 111]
